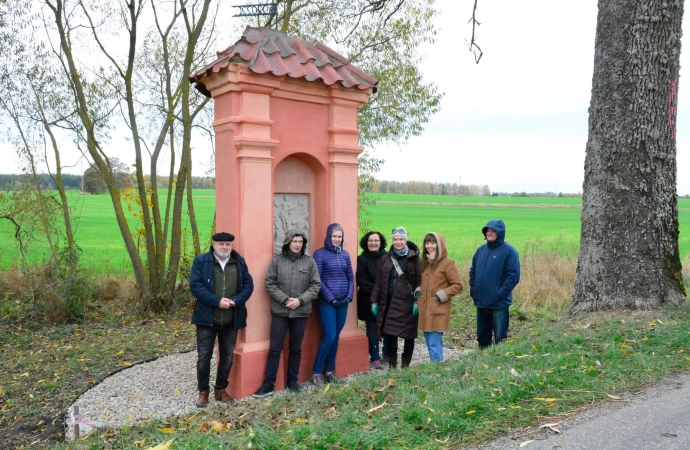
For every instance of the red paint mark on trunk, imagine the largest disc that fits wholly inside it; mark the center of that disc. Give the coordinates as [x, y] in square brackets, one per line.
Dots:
[673, 101]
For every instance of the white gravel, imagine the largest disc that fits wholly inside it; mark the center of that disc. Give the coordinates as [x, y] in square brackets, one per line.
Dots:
[167, 387]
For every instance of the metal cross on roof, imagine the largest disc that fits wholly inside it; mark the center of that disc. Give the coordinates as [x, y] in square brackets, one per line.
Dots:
[261, 9]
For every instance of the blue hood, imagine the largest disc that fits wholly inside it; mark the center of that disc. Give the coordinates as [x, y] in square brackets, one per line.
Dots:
[500, 228]
[327, 244]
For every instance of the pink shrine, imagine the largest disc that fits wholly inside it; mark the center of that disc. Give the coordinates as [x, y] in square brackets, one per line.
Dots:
[286, 157]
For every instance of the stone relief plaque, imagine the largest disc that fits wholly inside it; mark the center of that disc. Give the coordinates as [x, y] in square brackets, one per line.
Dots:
[289, 211]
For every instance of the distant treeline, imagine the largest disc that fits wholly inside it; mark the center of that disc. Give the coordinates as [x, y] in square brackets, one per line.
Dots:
[427, 188]
[14, 182]
[537, 194]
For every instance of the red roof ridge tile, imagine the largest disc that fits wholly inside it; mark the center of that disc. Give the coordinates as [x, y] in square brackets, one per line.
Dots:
[265, 50]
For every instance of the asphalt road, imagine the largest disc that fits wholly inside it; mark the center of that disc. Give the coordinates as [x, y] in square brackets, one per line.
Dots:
[659, 418]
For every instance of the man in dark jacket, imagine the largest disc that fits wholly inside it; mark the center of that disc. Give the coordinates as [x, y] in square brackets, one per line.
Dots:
[221, 284]
[293, 283]
[494, 273]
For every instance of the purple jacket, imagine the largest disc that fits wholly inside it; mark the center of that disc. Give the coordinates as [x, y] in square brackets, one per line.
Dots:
[335, 270]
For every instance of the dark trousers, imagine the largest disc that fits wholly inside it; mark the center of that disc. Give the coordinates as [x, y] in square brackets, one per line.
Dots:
[205, 341]
[280, 327]
[492, 321]
[372, 331]
[392, 345]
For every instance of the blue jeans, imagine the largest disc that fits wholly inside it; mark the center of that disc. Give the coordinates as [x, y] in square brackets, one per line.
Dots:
[332, 323]
[492, 321]
[205, 341]
[372, 331]
[434, 343]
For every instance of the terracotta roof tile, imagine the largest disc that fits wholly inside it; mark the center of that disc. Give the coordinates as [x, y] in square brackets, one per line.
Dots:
[264, 50]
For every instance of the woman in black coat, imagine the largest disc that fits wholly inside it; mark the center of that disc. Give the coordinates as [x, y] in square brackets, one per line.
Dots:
[393, 296]
[373, 246]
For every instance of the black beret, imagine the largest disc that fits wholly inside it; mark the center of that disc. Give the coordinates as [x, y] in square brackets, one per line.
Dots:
[223, 237]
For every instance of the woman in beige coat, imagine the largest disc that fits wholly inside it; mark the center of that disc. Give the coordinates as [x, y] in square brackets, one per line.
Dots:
[440, 282]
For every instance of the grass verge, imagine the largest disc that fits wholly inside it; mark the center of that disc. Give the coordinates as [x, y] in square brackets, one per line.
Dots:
[546, 369]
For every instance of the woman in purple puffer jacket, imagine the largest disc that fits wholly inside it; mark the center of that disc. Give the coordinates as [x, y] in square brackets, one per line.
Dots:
[337, 290]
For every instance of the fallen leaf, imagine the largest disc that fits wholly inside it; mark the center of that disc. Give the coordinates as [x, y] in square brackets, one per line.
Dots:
[126, 363]
[216, 427]
[1, 391]
[615, 397]
[472, 411]
[373, 410]
[526, 443]
[163, 446]
[167, 430]
[669, 435]
[301, 420]
[514, 372]
[542, 399]
[534, 347]
[120, 353]
[328, 386]
[442, 441]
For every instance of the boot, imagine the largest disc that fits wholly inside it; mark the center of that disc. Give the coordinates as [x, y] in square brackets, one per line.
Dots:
[222, 396]
[203, 399]
[392, 361]
[406, 360]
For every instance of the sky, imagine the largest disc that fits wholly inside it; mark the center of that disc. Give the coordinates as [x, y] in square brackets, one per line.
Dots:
[517, 121]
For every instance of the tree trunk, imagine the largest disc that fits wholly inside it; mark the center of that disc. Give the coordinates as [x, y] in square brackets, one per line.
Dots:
[629, 239]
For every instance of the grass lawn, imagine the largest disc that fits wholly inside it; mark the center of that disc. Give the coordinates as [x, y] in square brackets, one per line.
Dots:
[547, 369]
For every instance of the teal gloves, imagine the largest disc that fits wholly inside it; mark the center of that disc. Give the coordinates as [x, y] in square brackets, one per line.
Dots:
[415, 310]
[375, 309]
[417, 293]
[436, 297]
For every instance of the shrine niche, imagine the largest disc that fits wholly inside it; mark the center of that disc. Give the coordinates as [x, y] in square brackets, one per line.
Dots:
[286, 157]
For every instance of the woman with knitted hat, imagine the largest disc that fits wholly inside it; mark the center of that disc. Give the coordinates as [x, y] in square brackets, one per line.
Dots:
[440, 282]
[393, 299]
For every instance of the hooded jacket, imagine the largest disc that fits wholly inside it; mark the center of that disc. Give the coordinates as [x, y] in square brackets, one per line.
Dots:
[335, 270]
[443, 280]
[495, 271]
[202, 287]
[367, 266]
[292, 276]
[395, 308]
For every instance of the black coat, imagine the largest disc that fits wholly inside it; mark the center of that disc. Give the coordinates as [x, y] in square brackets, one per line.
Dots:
[395, 316]
[367, 267]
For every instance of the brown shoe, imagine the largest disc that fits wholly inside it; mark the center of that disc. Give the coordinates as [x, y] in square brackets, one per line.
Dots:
[222, 396]
[203, 399]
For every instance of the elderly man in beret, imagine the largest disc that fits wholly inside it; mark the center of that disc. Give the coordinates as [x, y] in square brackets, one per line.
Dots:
[221, 285]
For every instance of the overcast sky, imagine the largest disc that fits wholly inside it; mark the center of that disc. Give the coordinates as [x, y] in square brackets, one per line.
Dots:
[516, 121]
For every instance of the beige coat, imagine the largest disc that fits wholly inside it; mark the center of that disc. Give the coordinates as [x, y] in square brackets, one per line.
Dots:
[441, 279]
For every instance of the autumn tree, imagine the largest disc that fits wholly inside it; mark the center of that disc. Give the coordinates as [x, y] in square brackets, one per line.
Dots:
[629, 240]
[140, 87]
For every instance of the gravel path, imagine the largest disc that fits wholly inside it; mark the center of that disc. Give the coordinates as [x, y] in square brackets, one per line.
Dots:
[167, 387]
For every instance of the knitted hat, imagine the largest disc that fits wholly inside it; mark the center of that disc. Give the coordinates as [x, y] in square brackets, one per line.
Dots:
[400, 231]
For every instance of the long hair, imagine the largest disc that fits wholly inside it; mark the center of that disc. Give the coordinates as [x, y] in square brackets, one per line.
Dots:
[430, 237]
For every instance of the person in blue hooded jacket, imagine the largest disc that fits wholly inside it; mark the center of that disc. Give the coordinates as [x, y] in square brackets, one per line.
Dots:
[337, 291]
[494, 273]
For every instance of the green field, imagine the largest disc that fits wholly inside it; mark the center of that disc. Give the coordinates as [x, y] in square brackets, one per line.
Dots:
[532, 223]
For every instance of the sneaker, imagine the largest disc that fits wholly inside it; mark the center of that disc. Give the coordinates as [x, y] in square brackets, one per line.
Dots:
[293, 386]
[376, 364]
[333, 378]
[264, 391]
[317, 380]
